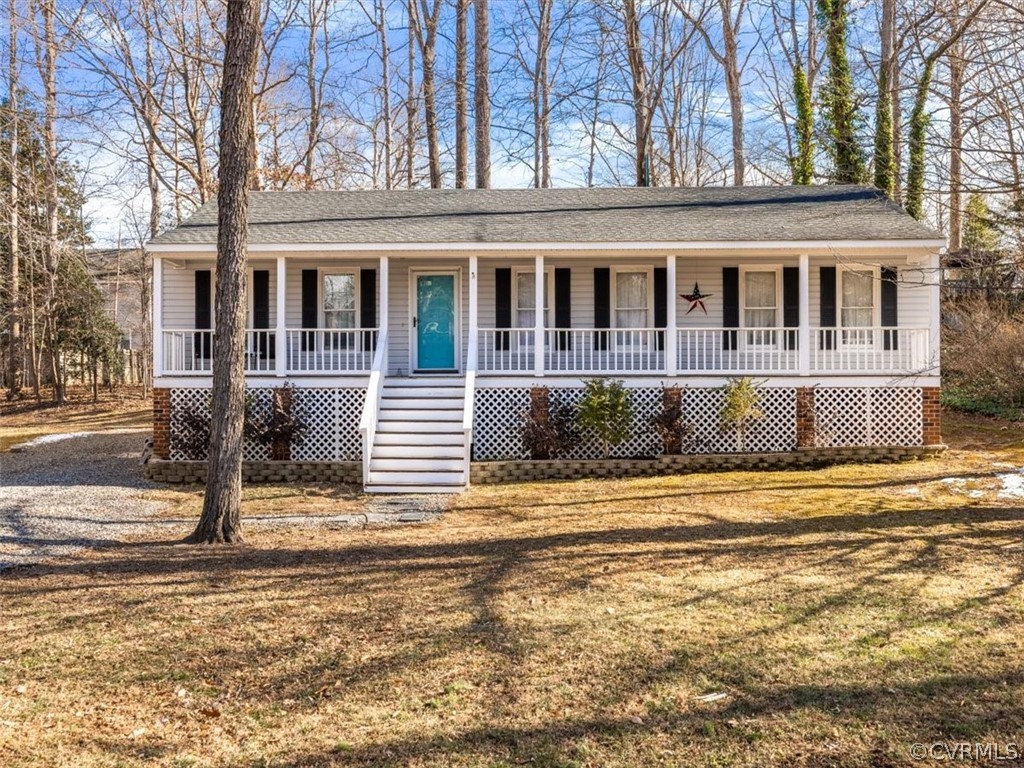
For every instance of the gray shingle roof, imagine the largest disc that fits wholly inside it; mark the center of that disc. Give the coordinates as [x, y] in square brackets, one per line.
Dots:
[626, 214]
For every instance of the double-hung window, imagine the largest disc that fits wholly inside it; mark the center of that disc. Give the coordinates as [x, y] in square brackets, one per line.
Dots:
[857, 308]
[760, 306]
[339, 308]
[632, 306]
[526, 299]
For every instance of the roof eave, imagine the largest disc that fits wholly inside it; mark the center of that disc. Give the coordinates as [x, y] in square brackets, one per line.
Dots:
[917, 244]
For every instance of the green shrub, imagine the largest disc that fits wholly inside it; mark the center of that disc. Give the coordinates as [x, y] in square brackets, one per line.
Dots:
[606, 409]
[963, 399]
[741, 408]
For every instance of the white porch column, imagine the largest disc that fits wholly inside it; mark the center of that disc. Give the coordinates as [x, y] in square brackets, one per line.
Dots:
[538, 327]
[671, 335]
[158, 316]
[474, 301]
[280, 332]
[934, 279]
[804, 331]
[385, 291]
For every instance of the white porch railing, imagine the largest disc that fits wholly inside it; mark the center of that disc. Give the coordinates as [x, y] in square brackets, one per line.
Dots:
[575, 350]
[322, 350]
[870, 350]
[189, 351]
[737, 350]
[730, 351]
[604, 350]
[368, 422]
[505, 350]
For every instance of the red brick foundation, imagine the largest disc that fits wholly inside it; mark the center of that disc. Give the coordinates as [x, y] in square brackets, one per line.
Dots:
[932, 416]
[162, 423]
[805, 426]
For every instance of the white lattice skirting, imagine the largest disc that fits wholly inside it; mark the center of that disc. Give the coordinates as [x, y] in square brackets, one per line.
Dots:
[868, 416]
[331, 416]
[890, 416]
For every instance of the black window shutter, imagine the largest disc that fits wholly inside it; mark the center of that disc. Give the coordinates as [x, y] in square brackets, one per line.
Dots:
[890, 307]
[828, 307]
[661, 303]
[310, 310]
[261, 311]
[261, 298]
[202, 343]
[602, 305]
[563, 306]
[791, 304]
[730, 306]
[368, 305]
[502, 306]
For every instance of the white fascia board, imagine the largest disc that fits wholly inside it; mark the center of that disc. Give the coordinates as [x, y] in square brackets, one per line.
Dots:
[205, 381]
[491, 381]
[930, 246]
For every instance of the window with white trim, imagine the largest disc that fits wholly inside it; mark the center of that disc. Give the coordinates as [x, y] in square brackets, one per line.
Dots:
[632, 298]
[857, 305]
[760, 305]
[526, 298]
[339, 302]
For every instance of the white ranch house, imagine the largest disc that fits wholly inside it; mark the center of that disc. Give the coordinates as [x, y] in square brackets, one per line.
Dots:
[406, 325]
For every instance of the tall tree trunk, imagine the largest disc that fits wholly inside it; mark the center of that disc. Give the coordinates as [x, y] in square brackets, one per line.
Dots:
[838, 99]
[542, 111]
[461, 103]
[49, 78]
[313, 91]
[481, 95]
[221, 517]
[734, 87]
[410, 103]
[14, 348]
[426, 36]
[803, 161]
[385, 85]
[638, 72]
[919, 115]
[884, 160]
[956, 145]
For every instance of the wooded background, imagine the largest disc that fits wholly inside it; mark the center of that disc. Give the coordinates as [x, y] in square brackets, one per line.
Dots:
[110, 123]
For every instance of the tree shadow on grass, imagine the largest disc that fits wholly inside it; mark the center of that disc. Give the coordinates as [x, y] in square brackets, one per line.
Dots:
[474, 576]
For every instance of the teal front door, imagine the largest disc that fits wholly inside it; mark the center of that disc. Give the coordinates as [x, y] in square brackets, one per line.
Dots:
[434, 322]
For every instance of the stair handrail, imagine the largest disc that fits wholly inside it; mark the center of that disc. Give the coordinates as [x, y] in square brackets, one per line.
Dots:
[467, 401]
[371, 407]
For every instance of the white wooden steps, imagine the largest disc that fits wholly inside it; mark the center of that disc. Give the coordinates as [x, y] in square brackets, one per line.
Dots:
[419, 446]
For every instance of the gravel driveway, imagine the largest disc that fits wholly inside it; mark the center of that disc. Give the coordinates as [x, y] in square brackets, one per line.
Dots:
[57, 496]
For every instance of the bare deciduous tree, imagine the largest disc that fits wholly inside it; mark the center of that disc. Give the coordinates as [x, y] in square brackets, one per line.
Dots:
[221, 517]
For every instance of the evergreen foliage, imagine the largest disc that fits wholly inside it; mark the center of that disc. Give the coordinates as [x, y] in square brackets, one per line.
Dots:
[840, 114]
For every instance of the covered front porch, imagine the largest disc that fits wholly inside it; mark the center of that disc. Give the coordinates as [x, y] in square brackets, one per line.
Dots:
[627, 314]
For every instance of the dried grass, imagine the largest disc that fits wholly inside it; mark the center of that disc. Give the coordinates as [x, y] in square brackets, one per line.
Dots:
[844, 614]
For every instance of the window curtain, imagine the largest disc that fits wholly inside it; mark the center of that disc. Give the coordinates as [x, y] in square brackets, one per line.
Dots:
[858, 293]
[631, 300]
[761, 299]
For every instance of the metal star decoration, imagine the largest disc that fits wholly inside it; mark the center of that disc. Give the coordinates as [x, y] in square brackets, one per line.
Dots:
[696, 299]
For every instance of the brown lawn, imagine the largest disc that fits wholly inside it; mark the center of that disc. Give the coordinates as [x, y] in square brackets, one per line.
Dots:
[794, 618]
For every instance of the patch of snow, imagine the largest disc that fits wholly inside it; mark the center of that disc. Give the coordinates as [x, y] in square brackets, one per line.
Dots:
[1013, 484]
[47, 439]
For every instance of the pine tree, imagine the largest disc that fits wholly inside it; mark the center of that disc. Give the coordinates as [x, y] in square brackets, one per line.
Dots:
[840, 115]
[980, 234]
